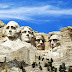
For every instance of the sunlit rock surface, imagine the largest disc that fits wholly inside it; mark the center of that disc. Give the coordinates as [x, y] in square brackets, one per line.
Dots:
[17, 54]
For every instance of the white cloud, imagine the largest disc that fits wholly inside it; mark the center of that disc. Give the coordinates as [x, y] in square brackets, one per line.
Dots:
[4, 6]
[27, 13]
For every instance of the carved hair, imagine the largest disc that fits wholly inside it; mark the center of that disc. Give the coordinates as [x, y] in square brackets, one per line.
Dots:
[28, 28]
[41, 36]
[33, 40]
[13, 23]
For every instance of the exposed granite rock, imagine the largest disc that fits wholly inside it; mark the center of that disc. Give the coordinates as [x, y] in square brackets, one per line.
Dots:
[15, 53]
[1, 24]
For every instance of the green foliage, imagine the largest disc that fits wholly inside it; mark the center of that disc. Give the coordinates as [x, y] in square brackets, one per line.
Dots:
[47, 59]
[62, 68]
[34, 64]
[23, 70]
[50, 62]
[48, 69]
[49, 66]
[46, 65]
[54, 69]
[40, 67]
[42, 59]
[39, 58]
[70, 69]
[39, 63]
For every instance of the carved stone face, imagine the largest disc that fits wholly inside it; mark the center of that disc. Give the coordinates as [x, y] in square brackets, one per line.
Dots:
[54, 41]
[70, 31]
[12, 29]
[27, 35]
[40, 42]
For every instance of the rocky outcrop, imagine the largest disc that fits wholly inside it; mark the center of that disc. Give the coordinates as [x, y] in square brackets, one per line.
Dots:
[1, 24]
[18, 54]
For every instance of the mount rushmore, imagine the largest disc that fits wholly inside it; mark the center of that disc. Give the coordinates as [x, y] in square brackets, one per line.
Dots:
[20, 47]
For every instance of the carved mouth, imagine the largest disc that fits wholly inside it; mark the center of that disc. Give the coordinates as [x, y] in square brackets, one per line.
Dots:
[10, 33]
[53, 46]
[27, 37]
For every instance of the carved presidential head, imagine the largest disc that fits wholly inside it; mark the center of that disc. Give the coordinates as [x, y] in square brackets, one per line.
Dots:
[27, 34]
[70, 31]
[40, 42]
[54, 41]
[12, 29]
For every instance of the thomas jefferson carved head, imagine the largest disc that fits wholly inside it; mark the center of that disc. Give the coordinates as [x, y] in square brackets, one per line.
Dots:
[27, 34]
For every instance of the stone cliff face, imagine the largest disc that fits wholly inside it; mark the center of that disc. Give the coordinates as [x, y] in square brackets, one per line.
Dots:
[17, 55]
[1, 31]
[1, 24]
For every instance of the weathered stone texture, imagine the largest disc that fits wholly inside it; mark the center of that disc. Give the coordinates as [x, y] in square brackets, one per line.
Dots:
[16, 48]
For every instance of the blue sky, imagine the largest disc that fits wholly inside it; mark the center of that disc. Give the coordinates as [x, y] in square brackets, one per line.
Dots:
[41, 15]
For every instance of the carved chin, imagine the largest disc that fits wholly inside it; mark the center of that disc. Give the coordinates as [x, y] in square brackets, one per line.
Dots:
[10, 36]
[53, 46]
[40, 47]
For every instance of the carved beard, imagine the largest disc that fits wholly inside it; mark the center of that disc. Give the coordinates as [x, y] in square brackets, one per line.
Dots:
[40, 46]
[14, 37]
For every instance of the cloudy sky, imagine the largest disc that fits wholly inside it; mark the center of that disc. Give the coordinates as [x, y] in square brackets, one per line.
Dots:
[41, 15]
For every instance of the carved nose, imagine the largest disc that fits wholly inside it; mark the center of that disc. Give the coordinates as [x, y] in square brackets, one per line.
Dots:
[10, 31]
[52, 42]
[52, 45]
[41, 42]
[27, 34]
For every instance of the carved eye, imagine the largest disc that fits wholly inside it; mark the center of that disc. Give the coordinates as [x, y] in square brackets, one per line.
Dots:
[43, 41]
[49, 40]
[55, 40]
[7, 27]
[38, 40]
[13, 27]
[24, 32]
[71, 30]
[29, 32]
